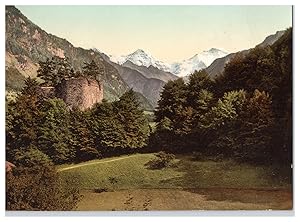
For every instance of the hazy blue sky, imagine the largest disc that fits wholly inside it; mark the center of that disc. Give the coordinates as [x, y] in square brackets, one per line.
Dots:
[169, 33]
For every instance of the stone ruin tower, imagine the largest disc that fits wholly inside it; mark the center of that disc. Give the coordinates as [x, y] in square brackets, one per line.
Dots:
[81, 93]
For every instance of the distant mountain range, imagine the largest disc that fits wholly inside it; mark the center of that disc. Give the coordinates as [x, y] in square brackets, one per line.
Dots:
[147, 81]
[27, 44]
[212, 60]
[180, 69]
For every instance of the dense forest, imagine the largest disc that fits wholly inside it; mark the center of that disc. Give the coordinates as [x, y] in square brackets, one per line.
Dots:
[244, 114]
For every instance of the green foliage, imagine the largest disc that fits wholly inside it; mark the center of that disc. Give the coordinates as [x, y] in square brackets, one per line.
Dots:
[81, 136]
[253, 142]
[245, 113]
[172, 107]
[54, 132]
[30, 88]
[242, 126]
[106, 129]
[217, 125]
[256, 70]
[199, 87]
[282, 98]
[93, 71]
[39, 188]
[184, 105]
[163, 136]
[161, 160]
[267, 69]
[120, 125]
[22, 118]
[183, 123]
[32, 157]
[54, 70]
[132, 120]
[226, 109]
[203, 101]
[37, 130]
[173, 98]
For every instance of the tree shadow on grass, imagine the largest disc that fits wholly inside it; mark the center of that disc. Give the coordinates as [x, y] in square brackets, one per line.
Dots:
[228, 180]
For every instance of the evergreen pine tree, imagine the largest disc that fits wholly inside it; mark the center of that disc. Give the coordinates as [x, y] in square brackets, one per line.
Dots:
[172, 100]
[54, 70]
[120, 126]
[54, 132]
[23, 117]
[81, 136]
[106, 129]
[93, 71]
[134, 123]
[199, 87]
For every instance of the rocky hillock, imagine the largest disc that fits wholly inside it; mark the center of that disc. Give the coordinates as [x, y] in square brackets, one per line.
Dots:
[81, 93]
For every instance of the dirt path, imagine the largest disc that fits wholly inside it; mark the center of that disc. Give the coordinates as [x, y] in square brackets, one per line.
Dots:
[93, 163]
[177, 199]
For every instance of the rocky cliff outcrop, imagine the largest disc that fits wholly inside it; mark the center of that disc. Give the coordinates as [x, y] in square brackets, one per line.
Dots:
[80, 93]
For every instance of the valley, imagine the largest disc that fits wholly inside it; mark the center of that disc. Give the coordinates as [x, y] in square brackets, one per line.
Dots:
[205, 123]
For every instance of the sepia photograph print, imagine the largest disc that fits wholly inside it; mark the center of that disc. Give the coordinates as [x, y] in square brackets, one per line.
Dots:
[148, 108]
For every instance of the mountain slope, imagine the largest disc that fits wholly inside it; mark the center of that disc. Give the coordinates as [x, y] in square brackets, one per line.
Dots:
[271, 39]
[148, 87]
[151, 72]
[27, 44]
[217, 67]
[139, 78]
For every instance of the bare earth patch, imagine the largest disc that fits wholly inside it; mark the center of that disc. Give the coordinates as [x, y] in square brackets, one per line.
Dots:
[191, 199]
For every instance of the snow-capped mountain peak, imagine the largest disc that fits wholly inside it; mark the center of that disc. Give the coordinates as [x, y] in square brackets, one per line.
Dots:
[207, 57]
[187, 66]
[142, 58]
[199, 61]
[139, 51]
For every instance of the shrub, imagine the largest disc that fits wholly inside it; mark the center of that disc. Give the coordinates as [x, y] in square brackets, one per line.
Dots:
[39, 188]
[161, 160]
[32, 157]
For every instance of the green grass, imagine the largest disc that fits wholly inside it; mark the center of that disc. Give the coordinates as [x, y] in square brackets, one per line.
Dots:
[186, 173]
[62, 166]
[123, 174]
[228, 174]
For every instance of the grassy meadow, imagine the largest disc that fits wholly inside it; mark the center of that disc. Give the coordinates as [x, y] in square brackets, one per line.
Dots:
[186, 184]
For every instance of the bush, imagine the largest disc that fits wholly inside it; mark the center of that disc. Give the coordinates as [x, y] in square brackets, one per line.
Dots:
[39, 188]
[162, 160]
[32, 157]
